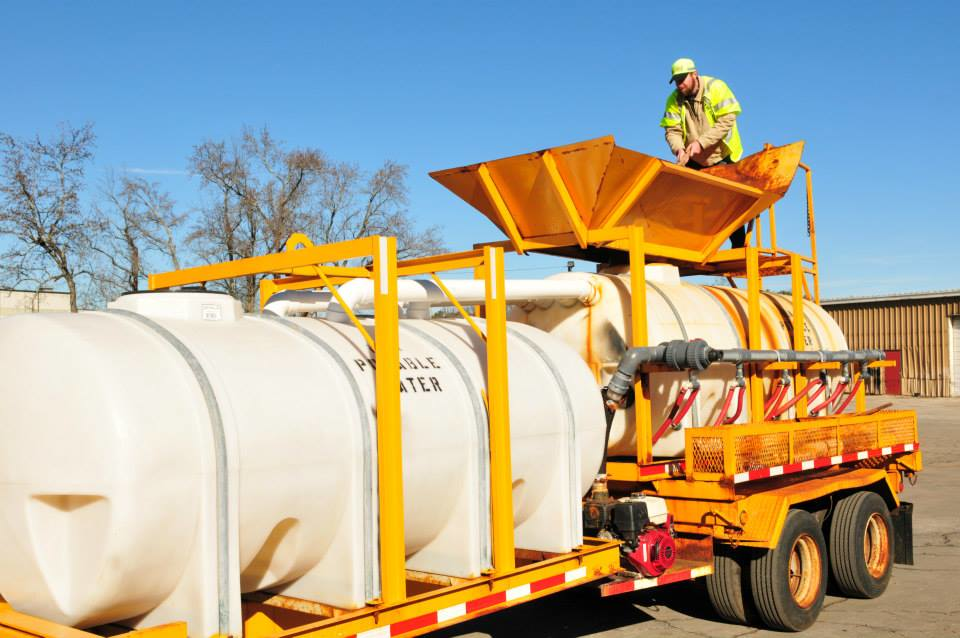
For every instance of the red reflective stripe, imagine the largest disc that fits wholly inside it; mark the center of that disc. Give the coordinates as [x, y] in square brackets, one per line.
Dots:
[486, 601]
[547, 583]
[619, 588]
[403, 626]
[666, 579]
[824, 461]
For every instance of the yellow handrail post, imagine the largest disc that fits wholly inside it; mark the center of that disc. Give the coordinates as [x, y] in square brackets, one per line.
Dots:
[389, 443]
[799, 342]
[773, 228]
[753, 331]
[813, 233]
[501, 469]
[267, 289]
[638, 307]
[861, 398]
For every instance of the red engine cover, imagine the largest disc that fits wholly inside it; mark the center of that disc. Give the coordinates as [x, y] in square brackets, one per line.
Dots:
[655, 552]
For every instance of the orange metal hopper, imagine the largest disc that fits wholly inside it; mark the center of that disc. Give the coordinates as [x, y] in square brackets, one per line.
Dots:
[580, 192]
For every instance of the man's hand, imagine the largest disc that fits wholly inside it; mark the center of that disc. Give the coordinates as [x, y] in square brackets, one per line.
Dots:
[693, 149]
[683, 157]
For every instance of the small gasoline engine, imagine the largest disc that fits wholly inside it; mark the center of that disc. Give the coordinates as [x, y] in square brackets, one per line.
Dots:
[641, 522]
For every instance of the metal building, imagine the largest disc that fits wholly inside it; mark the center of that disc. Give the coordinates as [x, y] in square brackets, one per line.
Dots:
[15, 302]
[919, 331]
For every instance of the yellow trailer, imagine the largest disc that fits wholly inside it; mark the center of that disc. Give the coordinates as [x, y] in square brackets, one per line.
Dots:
[767, 508]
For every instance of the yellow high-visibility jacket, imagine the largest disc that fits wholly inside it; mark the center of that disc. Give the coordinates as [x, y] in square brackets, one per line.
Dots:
[717, 100]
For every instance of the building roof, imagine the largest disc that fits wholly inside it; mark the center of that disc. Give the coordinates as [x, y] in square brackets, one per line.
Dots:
[906, 296]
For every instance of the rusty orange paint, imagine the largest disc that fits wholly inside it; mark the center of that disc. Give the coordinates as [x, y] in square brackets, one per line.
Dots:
[595, 184]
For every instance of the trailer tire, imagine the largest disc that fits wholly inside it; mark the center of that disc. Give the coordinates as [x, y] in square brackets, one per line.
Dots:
[728, 588]
[861, 545]
[790, 580]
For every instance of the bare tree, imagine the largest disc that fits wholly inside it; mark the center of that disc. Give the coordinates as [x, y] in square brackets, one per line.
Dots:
[352, 204]
[40, 210]
[261, 193]
[135, 229]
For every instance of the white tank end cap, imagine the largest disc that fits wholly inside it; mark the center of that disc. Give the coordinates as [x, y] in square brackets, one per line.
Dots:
[186, 306]
[662, 273]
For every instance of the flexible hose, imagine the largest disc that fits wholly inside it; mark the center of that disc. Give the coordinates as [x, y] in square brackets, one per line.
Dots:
[831, 399]
[774, 401]
[853, 393]
[686, 408]
[736, 415]
[722, 417]
[677, 412]
[666, 422]
[820, 386]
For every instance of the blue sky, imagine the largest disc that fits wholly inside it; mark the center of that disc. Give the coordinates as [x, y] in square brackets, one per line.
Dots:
[872, 87]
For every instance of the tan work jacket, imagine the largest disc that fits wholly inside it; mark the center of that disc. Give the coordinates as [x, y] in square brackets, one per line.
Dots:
[699, 129]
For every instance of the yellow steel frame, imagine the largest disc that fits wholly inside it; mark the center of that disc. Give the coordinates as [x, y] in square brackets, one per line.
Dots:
[754, 516]
[750, 446]
[14, 624]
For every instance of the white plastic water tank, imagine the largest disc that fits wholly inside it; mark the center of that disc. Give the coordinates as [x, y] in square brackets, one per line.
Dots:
[675, 310]
[164, 456]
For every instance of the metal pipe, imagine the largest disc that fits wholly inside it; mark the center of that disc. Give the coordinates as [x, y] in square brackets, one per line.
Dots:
[290, 302]
[697, 355]
[420, 294]
[740, 355]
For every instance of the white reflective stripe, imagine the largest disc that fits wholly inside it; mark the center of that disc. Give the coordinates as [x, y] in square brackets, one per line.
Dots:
[807, 465]
[379, 632]
[671, 116]
[384, 279]
[836, 460]
[449, 613]
[518, 592]
[886, 450]
[576, 574]
[729, 136]
[862, 455]
[741, 477]
[696, 572]
[727, 102]
[776, 471]
[908, 447]
[644, 583]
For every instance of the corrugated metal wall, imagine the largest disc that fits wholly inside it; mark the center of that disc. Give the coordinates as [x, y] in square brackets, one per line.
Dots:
[918, 328]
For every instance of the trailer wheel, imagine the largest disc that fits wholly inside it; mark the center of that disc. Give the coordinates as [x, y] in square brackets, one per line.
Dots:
[790, 580]
[861, 545]
[729, 586]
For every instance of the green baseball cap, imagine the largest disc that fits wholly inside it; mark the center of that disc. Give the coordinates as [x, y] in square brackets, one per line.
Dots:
[680, 68]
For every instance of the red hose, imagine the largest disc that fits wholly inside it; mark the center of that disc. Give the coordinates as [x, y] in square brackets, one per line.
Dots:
[775, 397]
[830, 400]
[736, 415]
[666, 422]
[853, 393]
[774, 401]
[820, 385]
[686, 407]
[677, 412]
[722, 417]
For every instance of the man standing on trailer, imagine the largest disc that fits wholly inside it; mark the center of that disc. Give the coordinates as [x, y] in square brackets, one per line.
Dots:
[700, 123]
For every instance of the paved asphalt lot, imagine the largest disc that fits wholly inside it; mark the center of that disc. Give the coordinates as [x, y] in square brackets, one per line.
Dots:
[922, 599]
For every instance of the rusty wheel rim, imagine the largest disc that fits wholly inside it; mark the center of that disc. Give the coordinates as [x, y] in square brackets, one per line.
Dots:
[876, 545]
[804, 571]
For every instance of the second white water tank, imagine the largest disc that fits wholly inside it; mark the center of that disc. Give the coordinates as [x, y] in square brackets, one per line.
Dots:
[601, 332]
